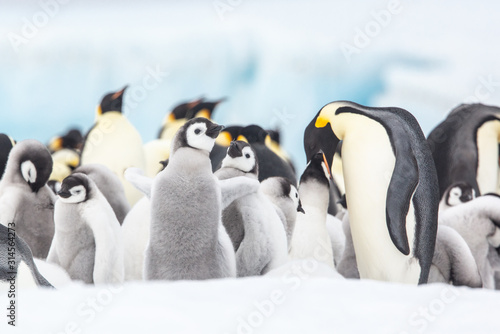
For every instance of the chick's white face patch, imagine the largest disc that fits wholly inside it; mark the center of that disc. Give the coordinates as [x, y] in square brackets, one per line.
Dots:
[196, 137]
[294, 195]
[454, 196]
[28, 170]
[245, 163]
[78, 194]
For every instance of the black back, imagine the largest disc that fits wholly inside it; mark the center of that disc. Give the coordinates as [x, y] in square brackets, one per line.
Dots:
[454, 144]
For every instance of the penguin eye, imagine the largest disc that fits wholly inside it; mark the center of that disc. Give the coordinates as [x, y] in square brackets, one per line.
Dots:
[296, 195]
[247, 156]
[197, 131]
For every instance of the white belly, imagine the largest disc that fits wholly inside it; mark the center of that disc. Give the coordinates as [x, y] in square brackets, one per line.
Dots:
[368, 163]
[487, 156]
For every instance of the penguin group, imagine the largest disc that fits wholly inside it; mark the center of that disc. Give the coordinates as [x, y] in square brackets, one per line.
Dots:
[376, 200]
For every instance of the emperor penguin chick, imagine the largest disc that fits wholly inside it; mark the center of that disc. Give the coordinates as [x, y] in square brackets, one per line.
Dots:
[310, 236]
[251, 221]
[88, 241]
[285, 198]
[187, 238]
[25, 199]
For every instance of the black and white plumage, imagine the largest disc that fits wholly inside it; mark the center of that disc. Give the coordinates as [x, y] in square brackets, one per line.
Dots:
[25, 199]
[255, 229]
[393, 203]
[87, 242]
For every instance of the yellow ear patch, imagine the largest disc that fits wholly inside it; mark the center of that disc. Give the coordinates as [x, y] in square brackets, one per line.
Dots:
[170, 118]
[205, 113]
[321, 121]
[99, 110]
[242, 138]
[224, 139]
[55, 144]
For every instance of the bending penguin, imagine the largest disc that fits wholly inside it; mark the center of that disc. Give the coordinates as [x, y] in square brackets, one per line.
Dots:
[114, 142]
[88, 241]
[25, 199]
[187, 238]
[255, 229]
[391, 189]
[465, 148]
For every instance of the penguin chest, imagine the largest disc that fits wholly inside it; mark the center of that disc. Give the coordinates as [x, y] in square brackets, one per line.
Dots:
[368, 164]
[487, 156]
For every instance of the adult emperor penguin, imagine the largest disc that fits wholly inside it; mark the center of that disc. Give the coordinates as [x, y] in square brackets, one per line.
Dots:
[391, 189]
[87, 242]
[270, 164]
[6, 145]
[465, 147]
[310, 236]
[189, 241]
[114, 142]
[25, 199]
[22, 264]
[72, 140]
[110, 186]
[255, 229]
[286, 200]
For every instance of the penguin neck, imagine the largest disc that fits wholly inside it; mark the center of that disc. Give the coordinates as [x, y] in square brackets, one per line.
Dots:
[314, 194]
[13, 174]
[225, 173]
[488, 136]
[110, 115]
[188, 159]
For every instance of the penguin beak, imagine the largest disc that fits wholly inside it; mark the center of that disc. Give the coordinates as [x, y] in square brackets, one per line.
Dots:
[235, 149]
[214, 131]
[119, 93]
[64, 193]
[466, 198]
[300, 208]
[326, 165]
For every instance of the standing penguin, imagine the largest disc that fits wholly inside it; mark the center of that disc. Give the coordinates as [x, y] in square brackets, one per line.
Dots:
[270, 164]
[188, 241]
[251, 221]
[110, 186]
[114, 142]
[87, 242]
[310, 237]
[286, 200]
[222, 143]
[72, 140]
[25, 199]
[465, 147]
[391, 189]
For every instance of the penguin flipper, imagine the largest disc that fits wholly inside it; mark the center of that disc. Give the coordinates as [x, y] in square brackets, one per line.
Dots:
[403, 183]
[236, 187]
[27, 256]
[139, 180]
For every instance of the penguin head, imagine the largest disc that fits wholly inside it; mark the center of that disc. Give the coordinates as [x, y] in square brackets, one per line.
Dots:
[317, 169]
[203, 109]
[181, 110]
[74, 189]
[228, 135]
[253, 134]
[111, 102]
[240, 155]
[73, 139]
[459, 193]
[198, 133]
[321, 138]
[282, 190]
[32, 161]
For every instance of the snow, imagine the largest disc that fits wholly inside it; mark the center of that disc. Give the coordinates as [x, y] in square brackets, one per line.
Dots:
[305, 297]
